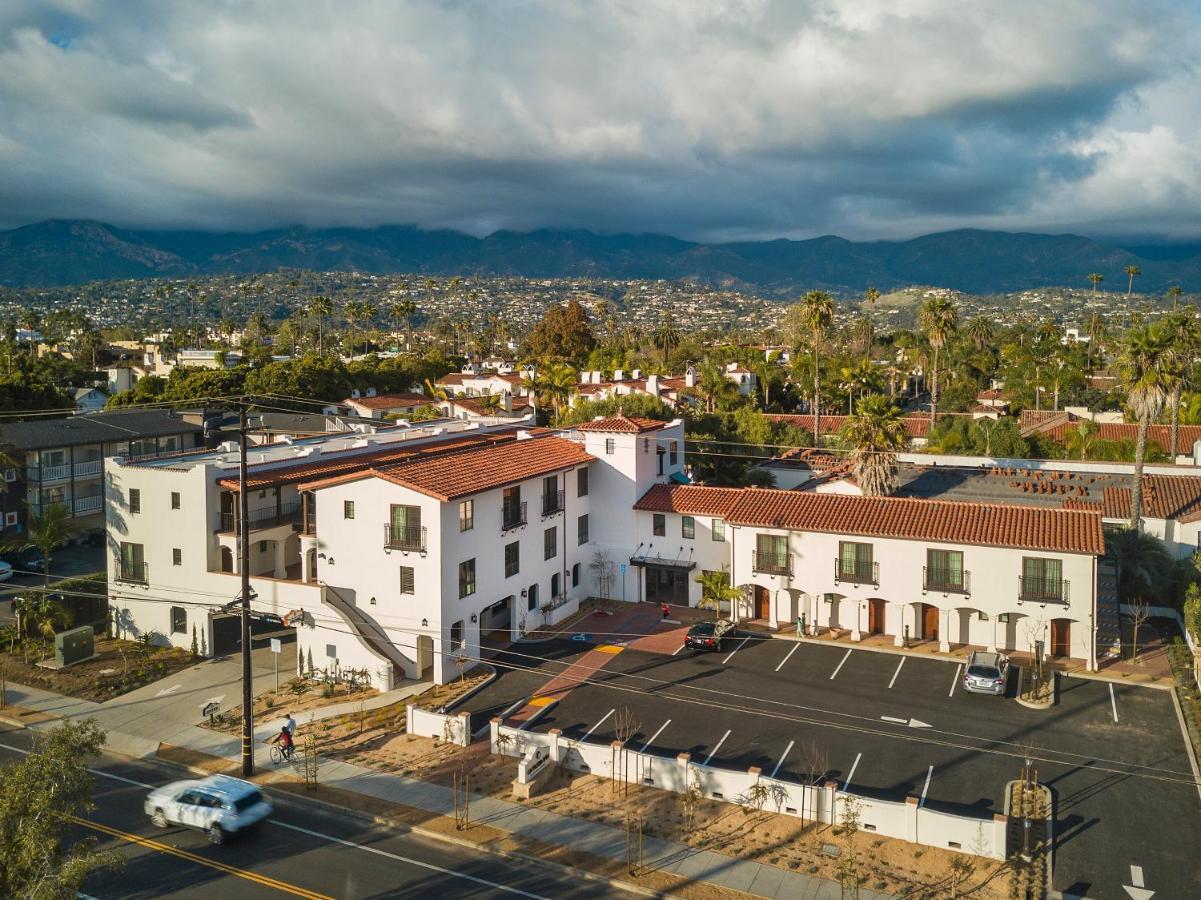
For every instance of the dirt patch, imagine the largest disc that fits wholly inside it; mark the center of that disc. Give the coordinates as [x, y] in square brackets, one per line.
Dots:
[119, 667]
[23, 717]
[443, 695]
[194, 759]
[297, 695]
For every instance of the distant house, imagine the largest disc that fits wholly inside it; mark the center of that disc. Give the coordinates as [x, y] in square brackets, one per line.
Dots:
[375, 406]
[90, 399]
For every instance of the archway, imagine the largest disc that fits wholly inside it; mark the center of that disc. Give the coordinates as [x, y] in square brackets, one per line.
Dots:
[1011, 622]
[227, 560]
[927, 622]
[875, 615]
[971, 626]
[761, 603]
[837, 610]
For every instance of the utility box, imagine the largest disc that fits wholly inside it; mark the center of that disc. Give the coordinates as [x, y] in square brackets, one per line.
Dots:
[74, 645]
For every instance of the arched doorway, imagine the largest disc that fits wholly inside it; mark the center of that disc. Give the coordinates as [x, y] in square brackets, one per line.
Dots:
[762, 602]
[837, 610]
[927, 622]
[875, 615]
[1061, 637]
[311, 553]
[227, 560]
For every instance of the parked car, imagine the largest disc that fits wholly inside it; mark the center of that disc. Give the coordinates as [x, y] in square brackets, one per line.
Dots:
[986, 673]
[220, 805]
[708, 635]
[6, 571]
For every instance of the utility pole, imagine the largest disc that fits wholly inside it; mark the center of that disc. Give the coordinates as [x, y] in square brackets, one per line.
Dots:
[244, 571]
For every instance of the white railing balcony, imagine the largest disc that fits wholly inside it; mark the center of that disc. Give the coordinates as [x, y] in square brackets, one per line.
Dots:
[48, 473]
[85, 505]
[89, 469]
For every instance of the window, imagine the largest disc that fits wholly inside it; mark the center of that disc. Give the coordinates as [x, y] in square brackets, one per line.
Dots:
[175, 499]
[554, 585]
[646, 445]
[855, 562]
[262, 546]
[659, 460]
[331, 651]
[552, 497]
[687, 527]
[407, 580]
[176, 556]
[581, 527]
[532, 598]
[610, 446]
[404, 527]
[771, 554]
[131, 566]
[672, 453]
[347, 509]
[512, 559]
[512, 511]
[466, 578]
[10, 475]
[135, 500]
[944, 570]
[659, 525]
[466, 515]
[10, 518]
[179, 620]
[1042, 579]
[456, 636]
[581, 483]
[550, 542]
[575, 575]
[717, 529]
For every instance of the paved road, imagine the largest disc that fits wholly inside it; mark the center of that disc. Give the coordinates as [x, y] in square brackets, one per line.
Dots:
[67, 562]
[302, 851]
[1114, 758]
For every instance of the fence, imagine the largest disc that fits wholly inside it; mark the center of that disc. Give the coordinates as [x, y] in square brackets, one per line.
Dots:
[454, 728]
[822, 802]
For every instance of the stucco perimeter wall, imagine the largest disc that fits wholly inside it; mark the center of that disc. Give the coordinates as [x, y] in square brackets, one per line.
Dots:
[455, 727]
[908, 821]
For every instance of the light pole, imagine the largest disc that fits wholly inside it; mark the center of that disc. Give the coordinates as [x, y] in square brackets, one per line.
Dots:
[244, 572]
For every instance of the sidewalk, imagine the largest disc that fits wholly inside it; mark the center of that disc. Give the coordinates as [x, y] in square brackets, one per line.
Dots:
[599, 840]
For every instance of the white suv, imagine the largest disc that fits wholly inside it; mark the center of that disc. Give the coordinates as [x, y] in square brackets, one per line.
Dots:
[220, 805]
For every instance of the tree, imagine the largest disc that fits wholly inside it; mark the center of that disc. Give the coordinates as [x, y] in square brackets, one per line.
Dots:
[320, 308]
[1146, 366]
[403, 311]
[1139, 614]
[40, 795]
[1185, 331]
[713, 387]
[716, 590]
[1141, 560]
[813, 316]
[939, 319]
[1096, 278]
[980, 331]
[46, 530]
[1174, 292]
[563, 333]
[1132, 272]
[875, 433]
[354, 312]
[556, 384]
[667, 336]
[1079, 440]
[870, 296]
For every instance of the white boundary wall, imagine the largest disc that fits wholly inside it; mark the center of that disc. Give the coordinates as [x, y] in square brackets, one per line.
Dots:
[824, 803]
[455, 726]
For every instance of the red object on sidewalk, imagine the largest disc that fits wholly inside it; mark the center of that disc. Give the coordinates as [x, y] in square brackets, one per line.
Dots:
[666, 610]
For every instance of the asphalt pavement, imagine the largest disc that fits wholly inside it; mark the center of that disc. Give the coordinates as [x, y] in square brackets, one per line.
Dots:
[888, 726]
[303, 850]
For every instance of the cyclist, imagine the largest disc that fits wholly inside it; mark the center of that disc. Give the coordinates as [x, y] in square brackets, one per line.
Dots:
[285, 742]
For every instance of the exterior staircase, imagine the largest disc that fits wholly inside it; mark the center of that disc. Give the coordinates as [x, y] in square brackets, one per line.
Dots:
[368, 631]
[1109, 623]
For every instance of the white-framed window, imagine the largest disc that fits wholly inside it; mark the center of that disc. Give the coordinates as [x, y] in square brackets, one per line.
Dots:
[10, 518]
[10, 475]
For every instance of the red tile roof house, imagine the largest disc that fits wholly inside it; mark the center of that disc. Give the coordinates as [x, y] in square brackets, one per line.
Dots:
[376, 406]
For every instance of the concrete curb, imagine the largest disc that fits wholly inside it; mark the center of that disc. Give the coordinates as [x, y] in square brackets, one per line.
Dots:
[466, 843]
[1030, 704]
[475, 690]
[1188, 741]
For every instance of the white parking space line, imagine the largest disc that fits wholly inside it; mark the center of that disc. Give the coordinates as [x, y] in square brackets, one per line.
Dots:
[677, 650]
[598, 724]
[735, 650]
[929, 773]
[1113, 702]
[655, 735]
[788, 656]
[896, 673]
[715, 749]
[783, 755]
[839, 666]
[955, 680]
[854, 766]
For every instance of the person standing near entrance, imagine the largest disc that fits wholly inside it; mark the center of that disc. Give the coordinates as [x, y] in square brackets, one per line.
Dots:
[665, 608]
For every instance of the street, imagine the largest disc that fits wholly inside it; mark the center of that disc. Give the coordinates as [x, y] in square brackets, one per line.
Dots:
[303, 850]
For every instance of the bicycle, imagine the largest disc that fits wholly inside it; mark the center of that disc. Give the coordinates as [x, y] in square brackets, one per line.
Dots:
[279, 755]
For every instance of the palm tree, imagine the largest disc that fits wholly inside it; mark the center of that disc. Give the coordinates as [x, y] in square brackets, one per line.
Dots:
[713, 387]
[1081, 438]
[319, 308]
[870, 296]
[667, 336]
[1096, 278]
[47, 529]
[558, 384]
[1097, 333]
[1185, 332]
[402, 311]
[716, 589]
[875, 433]
[858, 379]
[816, 313]
[1174, 292]
[354, 313]
[1147, 367]
[1131, 271]
[768, 373]
[368, 311]
[980, 331]
[938, 318]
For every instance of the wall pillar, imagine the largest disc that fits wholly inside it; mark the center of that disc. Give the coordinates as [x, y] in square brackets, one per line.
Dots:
[898, 639]
[944, 633]
[912, 811]
[281, 566]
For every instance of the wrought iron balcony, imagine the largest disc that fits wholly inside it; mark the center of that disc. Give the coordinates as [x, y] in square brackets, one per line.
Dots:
[267, 517]
[771, 563]
[1042, 590]
[944, 581]
[405, 537]
[552, 504]
[856, 572]
[512, 515]
[133, 572]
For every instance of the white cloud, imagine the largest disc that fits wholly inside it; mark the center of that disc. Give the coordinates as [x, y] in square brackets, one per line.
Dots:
[704, 119]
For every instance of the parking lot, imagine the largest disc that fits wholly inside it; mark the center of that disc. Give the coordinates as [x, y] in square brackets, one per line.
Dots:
[889, 726]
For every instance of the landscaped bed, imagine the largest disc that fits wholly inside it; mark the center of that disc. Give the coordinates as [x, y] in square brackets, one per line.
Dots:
[296, 696]
[119, 667]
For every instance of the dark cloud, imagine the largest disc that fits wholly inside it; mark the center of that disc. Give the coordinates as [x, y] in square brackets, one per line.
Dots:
[729, 119]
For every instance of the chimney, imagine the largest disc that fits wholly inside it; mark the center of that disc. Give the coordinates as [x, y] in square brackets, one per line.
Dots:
[636, 374]
[619, 374]
[652, 385]
[506, 401]
[370, 392]
[690, 377]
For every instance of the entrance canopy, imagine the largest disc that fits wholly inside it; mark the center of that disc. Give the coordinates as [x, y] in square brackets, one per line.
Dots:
[681, 565]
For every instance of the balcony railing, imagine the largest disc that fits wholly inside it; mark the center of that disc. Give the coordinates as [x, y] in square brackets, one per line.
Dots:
[855, 572]
[771, 563]
[405, 537]
[89, 469]
[512, 515]
[45, 474]
[84, 505]
[552, 504]
[944, 581]
[267, 517]
[133, 572]
[1042, 590]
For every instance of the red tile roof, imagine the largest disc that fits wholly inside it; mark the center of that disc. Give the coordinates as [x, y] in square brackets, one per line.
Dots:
[689, 499]
[1120, 431]
[389, 401]
[621, 425]
[1034, 528]
[917, 425]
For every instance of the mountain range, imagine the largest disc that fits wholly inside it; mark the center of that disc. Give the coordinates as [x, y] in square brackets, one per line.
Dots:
[64, 252]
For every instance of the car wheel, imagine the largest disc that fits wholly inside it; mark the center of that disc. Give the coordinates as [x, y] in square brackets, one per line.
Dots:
[159, 819]
[216, 834]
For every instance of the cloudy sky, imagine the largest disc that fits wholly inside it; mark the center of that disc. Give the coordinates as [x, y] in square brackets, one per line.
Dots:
[708, 119]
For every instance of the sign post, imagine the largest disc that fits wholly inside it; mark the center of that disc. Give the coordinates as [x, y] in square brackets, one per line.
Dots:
[276, 648]
[623, 582]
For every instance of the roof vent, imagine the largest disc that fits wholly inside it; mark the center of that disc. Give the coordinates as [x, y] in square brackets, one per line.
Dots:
[524, 435]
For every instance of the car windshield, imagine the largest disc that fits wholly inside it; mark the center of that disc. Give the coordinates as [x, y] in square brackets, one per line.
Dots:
[704, 628]
[245, 802]
[984, 672]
